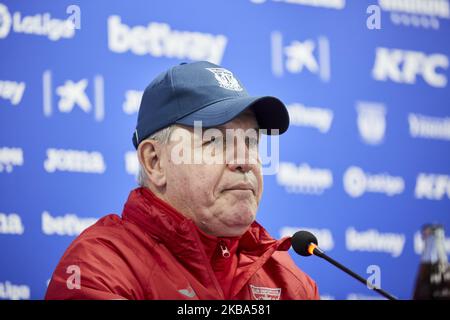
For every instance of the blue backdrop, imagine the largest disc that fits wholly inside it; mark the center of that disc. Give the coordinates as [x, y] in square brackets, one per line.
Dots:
[364, 164]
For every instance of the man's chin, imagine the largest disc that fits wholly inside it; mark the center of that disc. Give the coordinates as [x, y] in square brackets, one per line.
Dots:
[239, 225]
[233, 232]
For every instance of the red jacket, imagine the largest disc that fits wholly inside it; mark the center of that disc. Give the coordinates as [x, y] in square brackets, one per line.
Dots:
[154, 252]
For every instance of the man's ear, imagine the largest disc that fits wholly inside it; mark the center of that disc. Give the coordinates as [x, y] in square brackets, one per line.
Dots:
[149, 154]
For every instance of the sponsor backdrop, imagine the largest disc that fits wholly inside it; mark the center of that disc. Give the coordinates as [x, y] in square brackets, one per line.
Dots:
[365, 163]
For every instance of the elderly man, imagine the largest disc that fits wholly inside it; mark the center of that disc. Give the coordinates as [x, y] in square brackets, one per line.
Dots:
[189, 231]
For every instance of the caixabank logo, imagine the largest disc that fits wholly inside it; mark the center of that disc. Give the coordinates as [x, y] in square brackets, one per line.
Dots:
[85, 95]
[39, 24]
[301, 56]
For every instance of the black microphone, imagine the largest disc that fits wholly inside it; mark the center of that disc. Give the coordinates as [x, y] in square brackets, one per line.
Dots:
[305, 244]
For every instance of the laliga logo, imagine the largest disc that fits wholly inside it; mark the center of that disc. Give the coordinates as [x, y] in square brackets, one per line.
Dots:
[41, 24]
[357, 182]
[5, 21]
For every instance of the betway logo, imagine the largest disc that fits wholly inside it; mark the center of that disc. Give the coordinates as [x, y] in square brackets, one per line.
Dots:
[67, 225]
[159, 40]
[9, 158]
[374, 241]
[11, 224]
[324, 236]
[304, 179]
[318, 118]
[427, 127]
[419, 243]
[12, 91]
[404, 66]
[432, 186]
[41, 24]
[10, 291]
[74, 161]
[357, 182]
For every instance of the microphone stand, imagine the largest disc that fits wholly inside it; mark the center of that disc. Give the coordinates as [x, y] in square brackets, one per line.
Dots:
[322, 255]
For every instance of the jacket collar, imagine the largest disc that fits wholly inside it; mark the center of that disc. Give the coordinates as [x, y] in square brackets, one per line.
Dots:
[185, 240]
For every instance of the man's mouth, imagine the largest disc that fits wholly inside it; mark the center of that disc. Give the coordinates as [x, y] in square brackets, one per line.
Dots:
[242, 186]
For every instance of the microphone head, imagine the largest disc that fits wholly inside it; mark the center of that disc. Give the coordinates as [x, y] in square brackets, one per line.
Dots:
[300, 242]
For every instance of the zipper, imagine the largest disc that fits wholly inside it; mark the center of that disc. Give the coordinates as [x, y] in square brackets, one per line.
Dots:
[209, 268]
[225, 251]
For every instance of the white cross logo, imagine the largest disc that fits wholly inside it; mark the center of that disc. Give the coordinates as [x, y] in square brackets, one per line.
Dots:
[301, 54]
[72, 93]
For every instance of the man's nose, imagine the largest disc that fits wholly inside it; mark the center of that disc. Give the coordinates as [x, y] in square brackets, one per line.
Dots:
[241, 157]
[240, 166]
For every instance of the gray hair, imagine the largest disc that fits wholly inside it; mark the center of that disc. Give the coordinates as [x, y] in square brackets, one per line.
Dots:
[162, 137]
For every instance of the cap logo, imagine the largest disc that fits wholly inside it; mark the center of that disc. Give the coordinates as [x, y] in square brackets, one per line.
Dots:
[226, 79]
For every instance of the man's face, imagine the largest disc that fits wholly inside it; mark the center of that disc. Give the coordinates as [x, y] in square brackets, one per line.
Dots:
[220, 193]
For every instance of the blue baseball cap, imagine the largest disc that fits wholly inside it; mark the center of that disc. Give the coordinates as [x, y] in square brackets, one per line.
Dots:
[202, 91]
